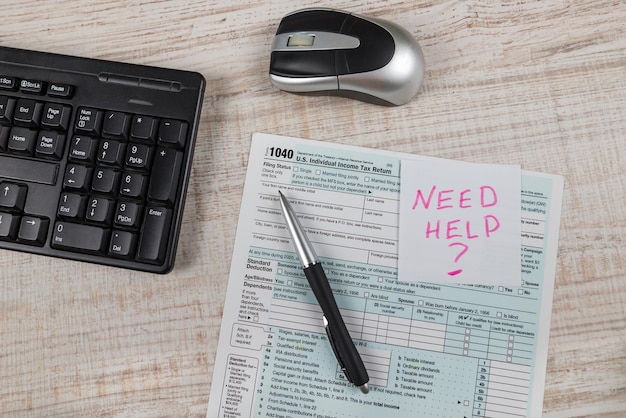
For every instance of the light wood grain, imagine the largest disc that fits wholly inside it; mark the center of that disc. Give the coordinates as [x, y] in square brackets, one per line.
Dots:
[541, 84]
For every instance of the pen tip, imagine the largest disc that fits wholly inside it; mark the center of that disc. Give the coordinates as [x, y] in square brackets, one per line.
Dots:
[364, 388]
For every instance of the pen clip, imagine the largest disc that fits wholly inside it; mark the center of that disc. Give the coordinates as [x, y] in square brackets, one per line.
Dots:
[332, 344]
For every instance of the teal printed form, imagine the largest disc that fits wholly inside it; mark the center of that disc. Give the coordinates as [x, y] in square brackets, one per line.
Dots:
[431, 350]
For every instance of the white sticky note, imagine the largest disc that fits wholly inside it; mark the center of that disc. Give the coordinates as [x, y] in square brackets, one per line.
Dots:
[460, 223]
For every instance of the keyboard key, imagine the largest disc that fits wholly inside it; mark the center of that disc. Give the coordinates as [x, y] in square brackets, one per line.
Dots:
[9, 225]
[105, 180]
[7, 105]
[133, 185]
[33, 230]
[99, 210]
[12, 196]
[56, 116]
[110, 152]
[8, 83]
[71, 205]
[143, 128]
[165, 175]
[173, 132]
[128, 214]
[83, 148]
[123, 244]
[22, 140]
[77, 177]
[88, 120]
[80, 238]
[27, 113]
[154, 234]
[60, 90]
[32, 86]
[138, 156]
[116, 125]
[50, 144]
[4, 136]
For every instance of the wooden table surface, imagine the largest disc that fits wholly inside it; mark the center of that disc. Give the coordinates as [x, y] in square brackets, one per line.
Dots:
[541, 84]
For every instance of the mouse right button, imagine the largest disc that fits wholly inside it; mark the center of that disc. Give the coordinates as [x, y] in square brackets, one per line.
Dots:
[312, 20]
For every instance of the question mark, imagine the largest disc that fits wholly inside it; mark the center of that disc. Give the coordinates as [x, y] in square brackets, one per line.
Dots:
[463, 251]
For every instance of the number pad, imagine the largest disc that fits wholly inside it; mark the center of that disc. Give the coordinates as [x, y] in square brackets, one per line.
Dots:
[121, 183]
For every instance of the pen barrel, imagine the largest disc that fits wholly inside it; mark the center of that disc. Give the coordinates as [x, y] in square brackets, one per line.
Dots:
[343, 344]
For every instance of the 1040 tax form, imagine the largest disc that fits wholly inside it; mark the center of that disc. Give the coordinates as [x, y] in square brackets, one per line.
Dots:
[431, 350]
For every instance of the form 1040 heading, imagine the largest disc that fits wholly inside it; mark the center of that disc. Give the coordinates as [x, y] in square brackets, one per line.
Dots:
[323, 161]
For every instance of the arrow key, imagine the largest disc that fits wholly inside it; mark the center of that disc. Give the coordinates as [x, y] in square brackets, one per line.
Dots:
[12, 196]
[9, 225]
[33, 230]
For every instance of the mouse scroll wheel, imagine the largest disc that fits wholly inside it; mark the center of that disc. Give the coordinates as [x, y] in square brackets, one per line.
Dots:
[301, 40]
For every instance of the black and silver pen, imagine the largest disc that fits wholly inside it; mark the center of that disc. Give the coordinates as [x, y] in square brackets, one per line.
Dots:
[348, 357]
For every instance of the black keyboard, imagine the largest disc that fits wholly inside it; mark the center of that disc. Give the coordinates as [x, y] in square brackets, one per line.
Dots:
[95, 158]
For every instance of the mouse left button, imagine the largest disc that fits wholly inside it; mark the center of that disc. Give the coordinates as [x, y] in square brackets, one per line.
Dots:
[303, 64]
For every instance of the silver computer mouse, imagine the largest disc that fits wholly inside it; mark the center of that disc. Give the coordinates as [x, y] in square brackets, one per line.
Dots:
[335, 52]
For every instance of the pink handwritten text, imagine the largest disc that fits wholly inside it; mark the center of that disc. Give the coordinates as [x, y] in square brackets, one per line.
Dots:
[455, 229]
[488, 197]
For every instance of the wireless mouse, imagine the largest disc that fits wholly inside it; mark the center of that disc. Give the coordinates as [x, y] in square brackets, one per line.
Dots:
[326, 51]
